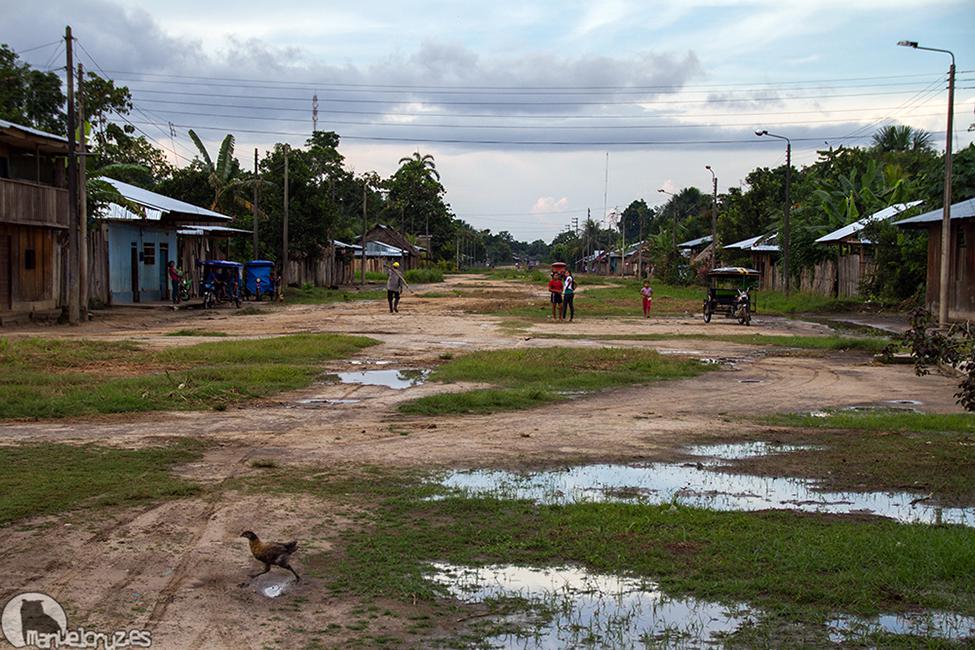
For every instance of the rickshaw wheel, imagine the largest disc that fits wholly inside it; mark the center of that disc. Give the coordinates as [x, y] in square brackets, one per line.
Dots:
[707, 315]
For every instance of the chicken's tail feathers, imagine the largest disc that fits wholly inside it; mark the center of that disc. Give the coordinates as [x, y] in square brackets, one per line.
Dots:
[291, 546]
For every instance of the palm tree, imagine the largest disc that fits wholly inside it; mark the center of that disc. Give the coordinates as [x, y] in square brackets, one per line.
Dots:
[219, 175]
[901, 137]
[425, 163]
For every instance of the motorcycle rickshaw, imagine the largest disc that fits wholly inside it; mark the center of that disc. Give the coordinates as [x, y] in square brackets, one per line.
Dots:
[730, 292]
[258, 279]
[221, 282]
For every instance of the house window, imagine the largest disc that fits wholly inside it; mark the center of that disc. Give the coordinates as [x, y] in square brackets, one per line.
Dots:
[149, 254]
[30, 259]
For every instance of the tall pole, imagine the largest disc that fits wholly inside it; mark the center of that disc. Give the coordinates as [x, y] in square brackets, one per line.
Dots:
[82, 202]
[257, 253]
[284, 233]
[362, 275]
[72, 276]
[786, 230]
[639, 255]
[946, 211]
[714, 218]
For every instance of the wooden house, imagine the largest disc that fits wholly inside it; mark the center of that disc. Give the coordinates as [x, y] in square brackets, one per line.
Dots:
[961, 266]
[386, 235]
[763, 252]
[33, 221]
[854, 262]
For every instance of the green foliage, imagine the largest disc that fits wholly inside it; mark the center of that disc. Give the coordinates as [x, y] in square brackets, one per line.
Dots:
[42, 479]
[423, 276]
[30, 97]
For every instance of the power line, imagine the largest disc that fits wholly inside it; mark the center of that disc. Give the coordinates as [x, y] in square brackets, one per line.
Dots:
[38, 47]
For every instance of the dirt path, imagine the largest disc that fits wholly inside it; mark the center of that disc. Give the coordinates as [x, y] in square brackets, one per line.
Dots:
[177, 568]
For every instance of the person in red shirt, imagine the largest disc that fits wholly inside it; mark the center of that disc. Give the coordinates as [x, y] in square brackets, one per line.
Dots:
[555, 293]
[174, 279]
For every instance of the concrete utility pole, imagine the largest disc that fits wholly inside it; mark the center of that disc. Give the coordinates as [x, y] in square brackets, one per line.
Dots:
[362, 275]
[284, 234]
[72, 276]
[946, 211]
[714, 218]
[257, 178]
[82, 201]
[786, 229]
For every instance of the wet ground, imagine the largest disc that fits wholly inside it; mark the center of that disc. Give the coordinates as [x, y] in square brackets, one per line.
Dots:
[184, 560]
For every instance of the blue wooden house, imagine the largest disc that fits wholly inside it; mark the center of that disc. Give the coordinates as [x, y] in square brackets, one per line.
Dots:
[131, 248]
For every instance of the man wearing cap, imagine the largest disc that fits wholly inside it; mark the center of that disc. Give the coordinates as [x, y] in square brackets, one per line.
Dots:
[394, 285]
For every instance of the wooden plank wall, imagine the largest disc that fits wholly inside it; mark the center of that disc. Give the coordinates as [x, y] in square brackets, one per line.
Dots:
[36, 288]
[29, 203]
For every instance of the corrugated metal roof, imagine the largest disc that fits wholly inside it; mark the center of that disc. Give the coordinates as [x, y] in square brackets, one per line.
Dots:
[218, 231]
[382, 249]
[961, 210]
[4, 124]
[760, 244]
[694, 243]
[164, 204]
[852, 228]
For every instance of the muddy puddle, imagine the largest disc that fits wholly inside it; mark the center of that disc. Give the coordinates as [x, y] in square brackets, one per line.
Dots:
[315, 402]
[581, 609]
[273, 586]
[395, 379]
[700, 484]
[929, 625]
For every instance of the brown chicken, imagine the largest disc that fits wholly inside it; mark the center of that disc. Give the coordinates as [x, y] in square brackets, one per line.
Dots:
[271, 553]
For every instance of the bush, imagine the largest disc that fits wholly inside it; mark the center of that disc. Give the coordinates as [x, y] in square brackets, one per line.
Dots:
[424, 276]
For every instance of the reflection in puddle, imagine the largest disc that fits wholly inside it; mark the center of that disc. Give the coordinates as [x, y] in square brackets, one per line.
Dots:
[699, 485]
[739, 450]
[939, 625]
[592, 610]
[273, 586]
[319, 401]
[395, 379]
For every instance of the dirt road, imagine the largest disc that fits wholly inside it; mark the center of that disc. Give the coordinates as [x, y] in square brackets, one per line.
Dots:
[177, 568]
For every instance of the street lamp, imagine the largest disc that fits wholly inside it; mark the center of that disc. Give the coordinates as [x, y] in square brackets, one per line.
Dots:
[714, 218]
[786, 231]
[946, 214]
[674, 211]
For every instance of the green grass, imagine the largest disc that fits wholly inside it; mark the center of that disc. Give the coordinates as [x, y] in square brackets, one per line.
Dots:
[884, 421]
[535, 275]
[196, 332]
[872, 344]
[50, 478]
[531, 377]
[322, 295]
[53, 379]
[798, 568]
[423, 276]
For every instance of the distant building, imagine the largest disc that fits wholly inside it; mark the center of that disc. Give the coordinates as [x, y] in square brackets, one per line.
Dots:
[961, 270]
[33, 222]
[763, 251]
[386, 235]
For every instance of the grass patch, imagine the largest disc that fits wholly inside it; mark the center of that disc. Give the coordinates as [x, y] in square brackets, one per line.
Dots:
[872, 344]
[924, 453]
[799, 568]
[531, 377]
[423, 276]
[49, 478]
[52, 379]
[196, 332]
[321, 295]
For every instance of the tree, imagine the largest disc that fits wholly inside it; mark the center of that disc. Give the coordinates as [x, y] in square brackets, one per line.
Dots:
[224, 175]
[900, 137]
[30, 97]
[415, 193]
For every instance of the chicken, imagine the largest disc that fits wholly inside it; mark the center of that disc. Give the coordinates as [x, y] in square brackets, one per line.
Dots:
[271, 553]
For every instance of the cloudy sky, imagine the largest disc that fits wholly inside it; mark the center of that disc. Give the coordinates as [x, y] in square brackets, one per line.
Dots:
[520, 102]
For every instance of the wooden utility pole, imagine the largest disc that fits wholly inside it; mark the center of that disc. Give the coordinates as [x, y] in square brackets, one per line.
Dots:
[284, 234]
[72, 275]
[82, 200]
[257, 254]
[362, 271]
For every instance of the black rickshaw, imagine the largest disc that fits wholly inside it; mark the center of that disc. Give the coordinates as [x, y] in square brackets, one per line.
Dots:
[221, 282]
[730, 292]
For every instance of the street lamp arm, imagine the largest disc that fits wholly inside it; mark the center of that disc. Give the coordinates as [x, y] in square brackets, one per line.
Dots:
[913, 44]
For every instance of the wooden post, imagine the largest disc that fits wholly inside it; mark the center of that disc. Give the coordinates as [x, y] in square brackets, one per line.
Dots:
[284, 235]
[362, 274]
[257, 254]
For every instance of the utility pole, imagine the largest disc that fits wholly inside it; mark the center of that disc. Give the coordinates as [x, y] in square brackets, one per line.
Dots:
[284, 234]
[457, 254]
[82, 202]
[714, 219]
[257, 178]
[787, 235]
[362, 275]
[72, 276]
[639, 255]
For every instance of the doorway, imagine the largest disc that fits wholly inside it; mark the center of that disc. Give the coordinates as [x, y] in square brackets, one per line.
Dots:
[134, 262]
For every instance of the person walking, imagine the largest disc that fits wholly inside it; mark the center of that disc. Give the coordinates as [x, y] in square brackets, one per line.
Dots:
[174, 279]
[394, 286]
[568, 294]
[555, 295]
[647, 293]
